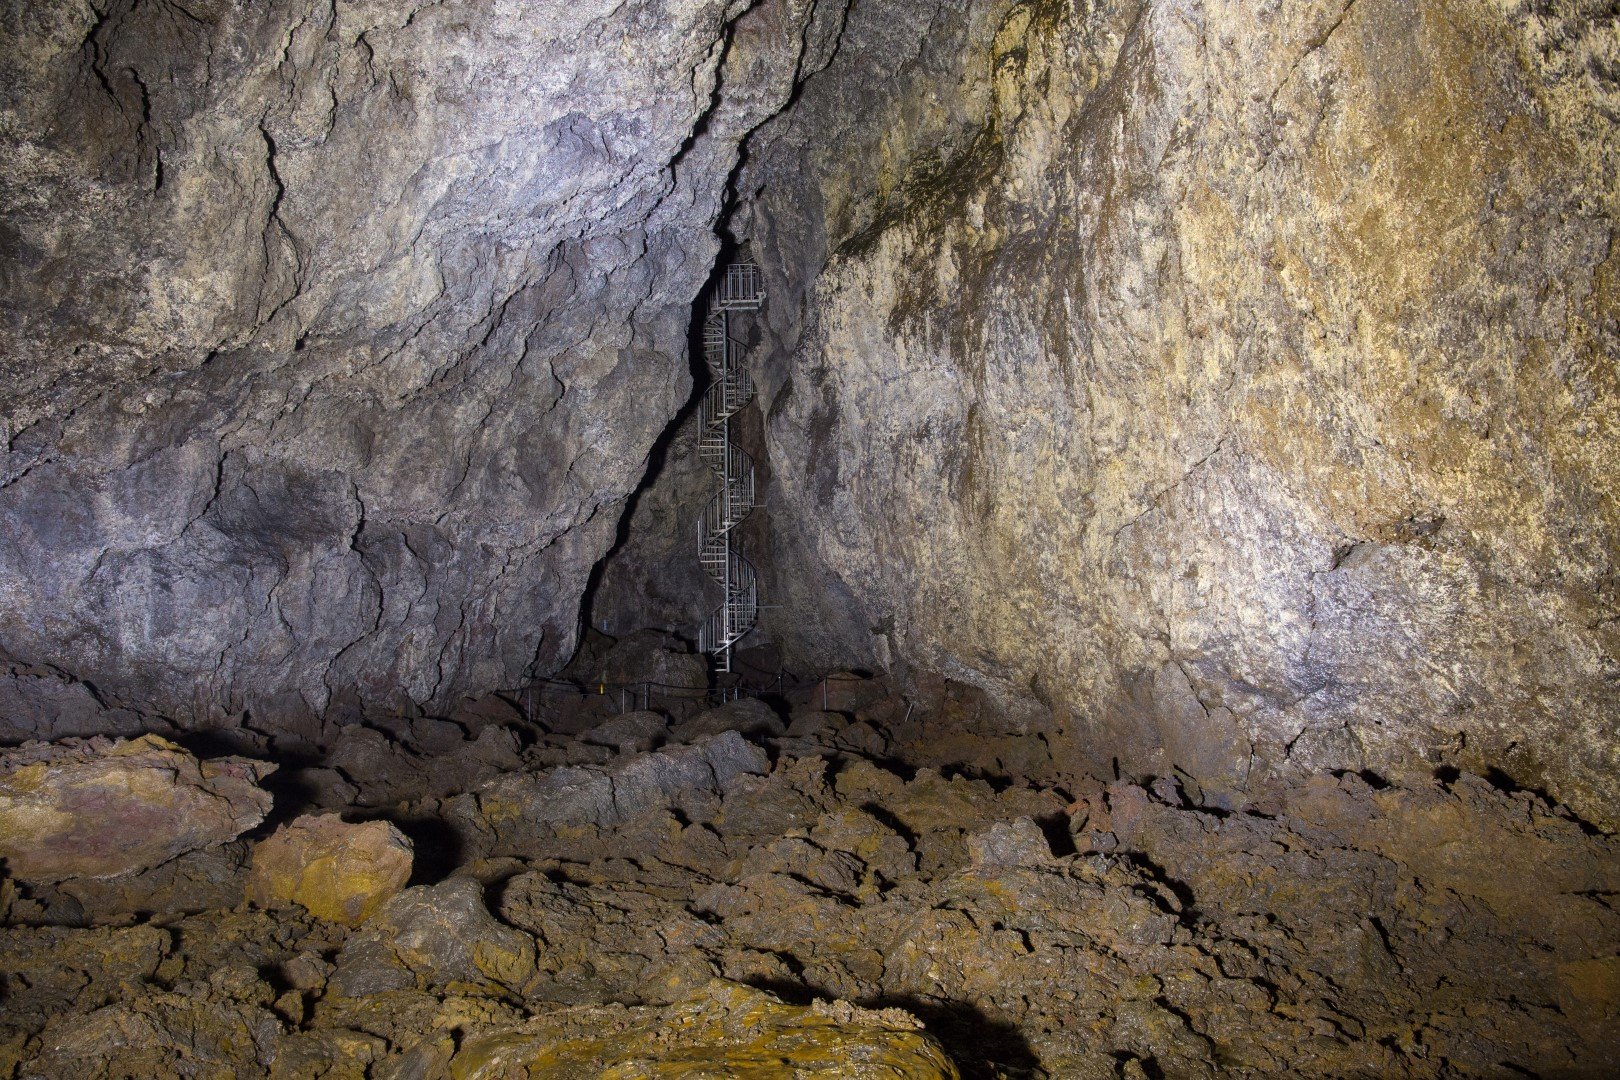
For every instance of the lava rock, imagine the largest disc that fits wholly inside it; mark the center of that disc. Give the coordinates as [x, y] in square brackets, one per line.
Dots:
[724, 1030]
[746, 716]
[647, 657]
[611, 794]
[310, 355]
[1199, 477]
[635, 732]
[101, 807]
[335, 870]
[202, 1033]
[436, 935]
[1019, 842]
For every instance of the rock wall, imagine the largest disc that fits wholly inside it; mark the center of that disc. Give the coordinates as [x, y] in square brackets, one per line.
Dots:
[1228, 387]
[335, 336]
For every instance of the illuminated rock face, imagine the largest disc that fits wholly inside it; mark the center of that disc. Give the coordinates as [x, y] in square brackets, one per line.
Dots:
[335, 870]
[334, 337]
[1228, 388]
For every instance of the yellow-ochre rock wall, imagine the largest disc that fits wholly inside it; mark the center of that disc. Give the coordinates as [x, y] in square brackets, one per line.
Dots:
[1228, 388]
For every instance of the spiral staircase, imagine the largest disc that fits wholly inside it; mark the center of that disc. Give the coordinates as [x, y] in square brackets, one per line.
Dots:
[741, 288]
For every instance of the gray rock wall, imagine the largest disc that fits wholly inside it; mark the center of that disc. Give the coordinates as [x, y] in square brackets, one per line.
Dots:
[1224, 387]
[334, 336]
[1227, 387]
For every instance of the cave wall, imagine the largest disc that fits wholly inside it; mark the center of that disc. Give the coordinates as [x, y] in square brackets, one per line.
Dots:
[335, 335]
[1227, 388]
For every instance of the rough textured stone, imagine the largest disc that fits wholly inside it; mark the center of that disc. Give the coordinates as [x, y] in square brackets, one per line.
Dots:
[1010, 843]
[593, 795]
[650, 657]
[1229, 386]
[335, 870]
[630, 732]
[441, 935]
[335, 336]
[1344, 929]
[99, 808]
[727, 1030]
[746, 716]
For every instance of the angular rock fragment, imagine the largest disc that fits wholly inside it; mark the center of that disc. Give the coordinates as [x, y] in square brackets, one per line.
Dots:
[49, 969]
[207, 1033]
[1019, 842]
[646, 658]
[610, 942]
[630, 733]
[335, 870]
[100, 807]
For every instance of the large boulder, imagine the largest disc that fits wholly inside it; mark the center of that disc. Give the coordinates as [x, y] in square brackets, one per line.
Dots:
[656, 659]
[98, 808]
[336, 870]
[746, 716]
[725, 1030]
[613, 794]
[436, 936]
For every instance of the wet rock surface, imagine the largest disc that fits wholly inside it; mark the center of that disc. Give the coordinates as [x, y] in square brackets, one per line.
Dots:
[1095, 929]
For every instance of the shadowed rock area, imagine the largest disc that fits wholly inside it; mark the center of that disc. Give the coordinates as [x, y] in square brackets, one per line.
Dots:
[1004, 928]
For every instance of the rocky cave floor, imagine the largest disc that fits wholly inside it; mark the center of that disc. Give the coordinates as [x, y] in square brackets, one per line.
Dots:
[596, 893]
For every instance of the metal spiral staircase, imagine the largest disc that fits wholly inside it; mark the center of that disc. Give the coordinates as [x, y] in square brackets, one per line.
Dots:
[741, 289]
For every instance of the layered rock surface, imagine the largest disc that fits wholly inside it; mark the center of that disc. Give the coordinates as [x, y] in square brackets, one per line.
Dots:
[335, 336]
[726, 1030]
[1228, 389]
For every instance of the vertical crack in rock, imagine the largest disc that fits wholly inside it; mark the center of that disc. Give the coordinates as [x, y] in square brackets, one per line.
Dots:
[370, 258]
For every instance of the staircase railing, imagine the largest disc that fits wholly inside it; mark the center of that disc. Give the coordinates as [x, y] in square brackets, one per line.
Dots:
[741, 288]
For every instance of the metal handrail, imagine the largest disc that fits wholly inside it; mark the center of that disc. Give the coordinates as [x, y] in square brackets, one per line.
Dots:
[741, 288]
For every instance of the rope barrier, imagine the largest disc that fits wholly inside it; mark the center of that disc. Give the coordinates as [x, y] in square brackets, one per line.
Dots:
[719, 695]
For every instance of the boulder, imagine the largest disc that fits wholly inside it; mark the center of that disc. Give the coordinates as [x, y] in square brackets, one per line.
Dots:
[337, 871]
[205, 1030]
[648, 656]
[724, 1030]
[847, 692]
[98, 808]
[435, 935]
[747, 716]
[613, 794]
[1019, 842]
[632, 732]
